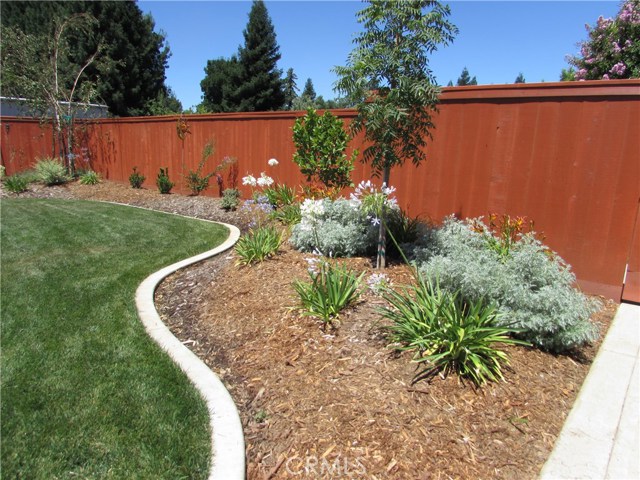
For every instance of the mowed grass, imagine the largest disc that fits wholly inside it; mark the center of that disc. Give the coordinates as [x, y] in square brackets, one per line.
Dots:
[84, 392]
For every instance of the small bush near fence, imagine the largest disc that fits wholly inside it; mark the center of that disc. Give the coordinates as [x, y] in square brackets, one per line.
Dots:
[163, 182]
[136, 179]
[51, 171]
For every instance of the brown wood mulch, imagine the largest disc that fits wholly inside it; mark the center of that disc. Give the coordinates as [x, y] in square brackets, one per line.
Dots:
[336, 403]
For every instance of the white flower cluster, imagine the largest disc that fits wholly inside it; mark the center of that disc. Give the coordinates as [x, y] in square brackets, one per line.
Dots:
[378, 283]
[272, 162]
[263, 181]
[374, 202]
[310, 212]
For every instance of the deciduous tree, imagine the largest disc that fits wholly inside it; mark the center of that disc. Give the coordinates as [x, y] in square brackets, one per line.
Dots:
[613, 48]
[388, 77]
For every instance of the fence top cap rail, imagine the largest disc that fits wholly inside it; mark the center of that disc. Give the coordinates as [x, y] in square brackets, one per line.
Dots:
[590, 88]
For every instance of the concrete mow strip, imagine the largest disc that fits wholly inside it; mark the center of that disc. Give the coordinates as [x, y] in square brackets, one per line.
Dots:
[227, 438]
[597, 438]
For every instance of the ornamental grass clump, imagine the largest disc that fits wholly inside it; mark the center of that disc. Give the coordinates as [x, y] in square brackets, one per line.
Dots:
[531, 287]
[333, 287]
[258, 245]
[52, 171]
[16, 183]
[90, 178]
[447, 333]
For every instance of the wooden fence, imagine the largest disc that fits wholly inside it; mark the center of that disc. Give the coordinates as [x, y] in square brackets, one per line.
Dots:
[566, 155]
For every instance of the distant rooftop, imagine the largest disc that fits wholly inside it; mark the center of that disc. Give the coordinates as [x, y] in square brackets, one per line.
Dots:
[19, 107]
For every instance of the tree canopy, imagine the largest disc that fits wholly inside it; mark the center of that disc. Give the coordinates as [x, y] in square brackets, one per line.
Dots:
[134, 83]
[260, 87]
[250, 81]
[465, 79]
[613, 48]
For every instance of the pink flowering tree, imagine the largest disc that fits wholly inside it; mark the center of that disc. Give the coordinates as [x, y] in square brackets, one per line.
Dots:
[613, 48]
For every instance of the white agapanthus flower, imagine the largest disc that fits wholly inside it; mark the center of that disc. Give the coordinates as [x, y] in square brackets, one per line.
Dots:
[272, 162]
[264, 180]
[249, 180]
[310, 211]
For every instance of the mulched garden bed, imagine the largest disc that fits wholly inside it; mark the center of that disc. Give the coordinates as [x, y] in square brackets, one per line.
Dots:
[338, 402]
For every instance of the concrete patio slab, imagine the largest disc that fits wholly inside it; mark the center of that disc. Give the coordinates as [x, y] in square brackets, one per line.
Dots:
[600, 437]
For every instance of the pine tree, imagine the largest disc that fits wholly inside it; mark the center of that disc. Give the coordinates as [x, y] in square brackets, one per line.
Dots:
[260, 87]
[465, 79]
[309, 91]
[290, 89]
[520, 78]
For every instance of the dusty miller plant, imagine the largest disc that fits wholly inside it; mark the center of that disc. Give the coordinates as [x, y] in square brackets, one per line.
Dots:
[333, 227]
[532, 287]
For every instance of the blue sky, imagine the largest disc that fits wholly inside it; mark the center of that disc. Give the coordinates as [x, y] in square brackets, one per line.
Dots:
[497, 40]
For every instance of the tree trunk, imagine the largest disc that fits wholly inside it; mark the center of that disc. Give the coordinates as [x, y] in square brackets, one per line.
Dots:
[381, 259]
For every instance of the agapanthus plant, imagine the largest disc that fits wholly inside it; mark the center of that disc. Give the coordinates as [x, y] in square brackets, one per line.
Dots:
[376, 204]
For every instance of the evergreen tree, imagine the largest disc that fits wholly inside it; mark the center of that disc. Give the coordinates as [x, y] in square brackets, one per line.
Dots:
[450, 84]
[520, 78]
[290, 89]
[220, 84]
[136, 55]
[465, 79]
[567, 75]
[309, 91]
[260, 87]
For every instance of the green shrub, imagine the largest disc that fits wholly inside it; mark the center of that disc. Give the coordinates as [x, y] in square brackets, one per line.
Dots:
[3, 172]
[136, 179]
[90, 178]
[164, 184]
[334, 228]
[532, 288]
[230, 199]
[447, 333]
[332, 288]
[51, 171]
[258, 245]
[320, 145]
[16, 183]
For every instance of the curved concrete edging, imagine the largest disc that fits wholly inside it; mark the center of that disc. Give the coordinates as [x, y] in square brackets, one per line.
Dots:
[227, 439]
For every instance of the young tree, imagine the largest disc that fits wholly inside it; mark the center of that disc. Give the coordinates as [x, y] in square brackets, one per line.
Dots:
[465, 79]
[613, 48]
[290, 89]
[388, 77]
[260, 86]
[520, 78]
[41, 69]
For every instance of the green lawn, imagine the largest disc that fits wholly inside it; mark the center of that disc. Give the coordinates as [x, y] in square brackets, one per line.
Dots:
[84, 392]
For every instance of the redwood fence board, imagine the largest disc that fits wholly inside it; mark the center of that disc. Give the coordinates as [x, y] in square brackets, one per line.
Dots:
[566, 155]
